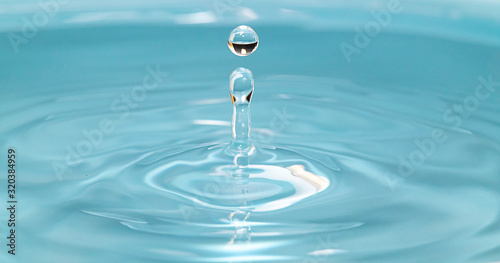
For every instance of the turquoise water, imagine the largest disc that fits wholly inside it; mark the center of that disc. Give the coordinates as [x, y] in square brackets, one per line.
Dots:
[120, 115]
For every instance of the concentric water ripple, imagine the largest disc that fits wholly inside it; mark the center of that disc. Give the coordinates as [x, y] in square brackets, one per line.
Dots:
[324, 183]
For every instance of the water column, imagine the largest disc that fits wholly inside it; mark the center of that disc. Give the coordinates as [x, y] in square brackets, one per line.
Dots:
[242, 41]
[241, 90]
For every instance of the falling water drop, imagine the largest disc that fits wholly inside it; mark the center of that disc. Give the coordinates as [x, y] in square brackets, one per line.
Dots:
[241, 86]
[243, 41]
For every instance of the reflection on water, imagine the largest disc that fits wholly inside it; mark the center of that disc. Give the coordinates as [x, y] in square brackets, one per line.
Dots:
[321, 187]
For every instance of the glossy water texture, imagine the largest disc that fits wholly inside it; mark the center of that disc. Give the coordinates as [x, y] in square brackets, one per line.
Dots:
[121, 119]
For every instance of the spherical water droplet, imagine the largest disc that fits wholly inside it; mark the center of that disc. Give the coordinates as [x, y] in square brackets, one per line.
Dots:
[243, 41]
[241, 85]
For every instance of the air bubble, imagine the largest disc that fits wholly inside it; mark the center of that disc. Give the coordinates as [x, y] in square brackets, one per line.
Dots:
[243, 41]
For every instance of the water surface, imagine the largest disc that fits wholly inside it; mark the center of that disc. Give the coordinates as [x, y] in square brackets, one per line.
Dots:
[360, 122]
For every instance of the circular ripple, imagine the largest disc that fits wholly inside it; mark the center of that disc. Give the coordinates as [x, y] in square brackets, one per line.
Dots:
[221, 181]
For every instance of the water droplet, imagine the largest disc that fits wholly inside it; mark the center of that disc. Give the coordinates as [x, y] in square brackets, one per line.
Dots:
[243, 41]
[241, 86]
